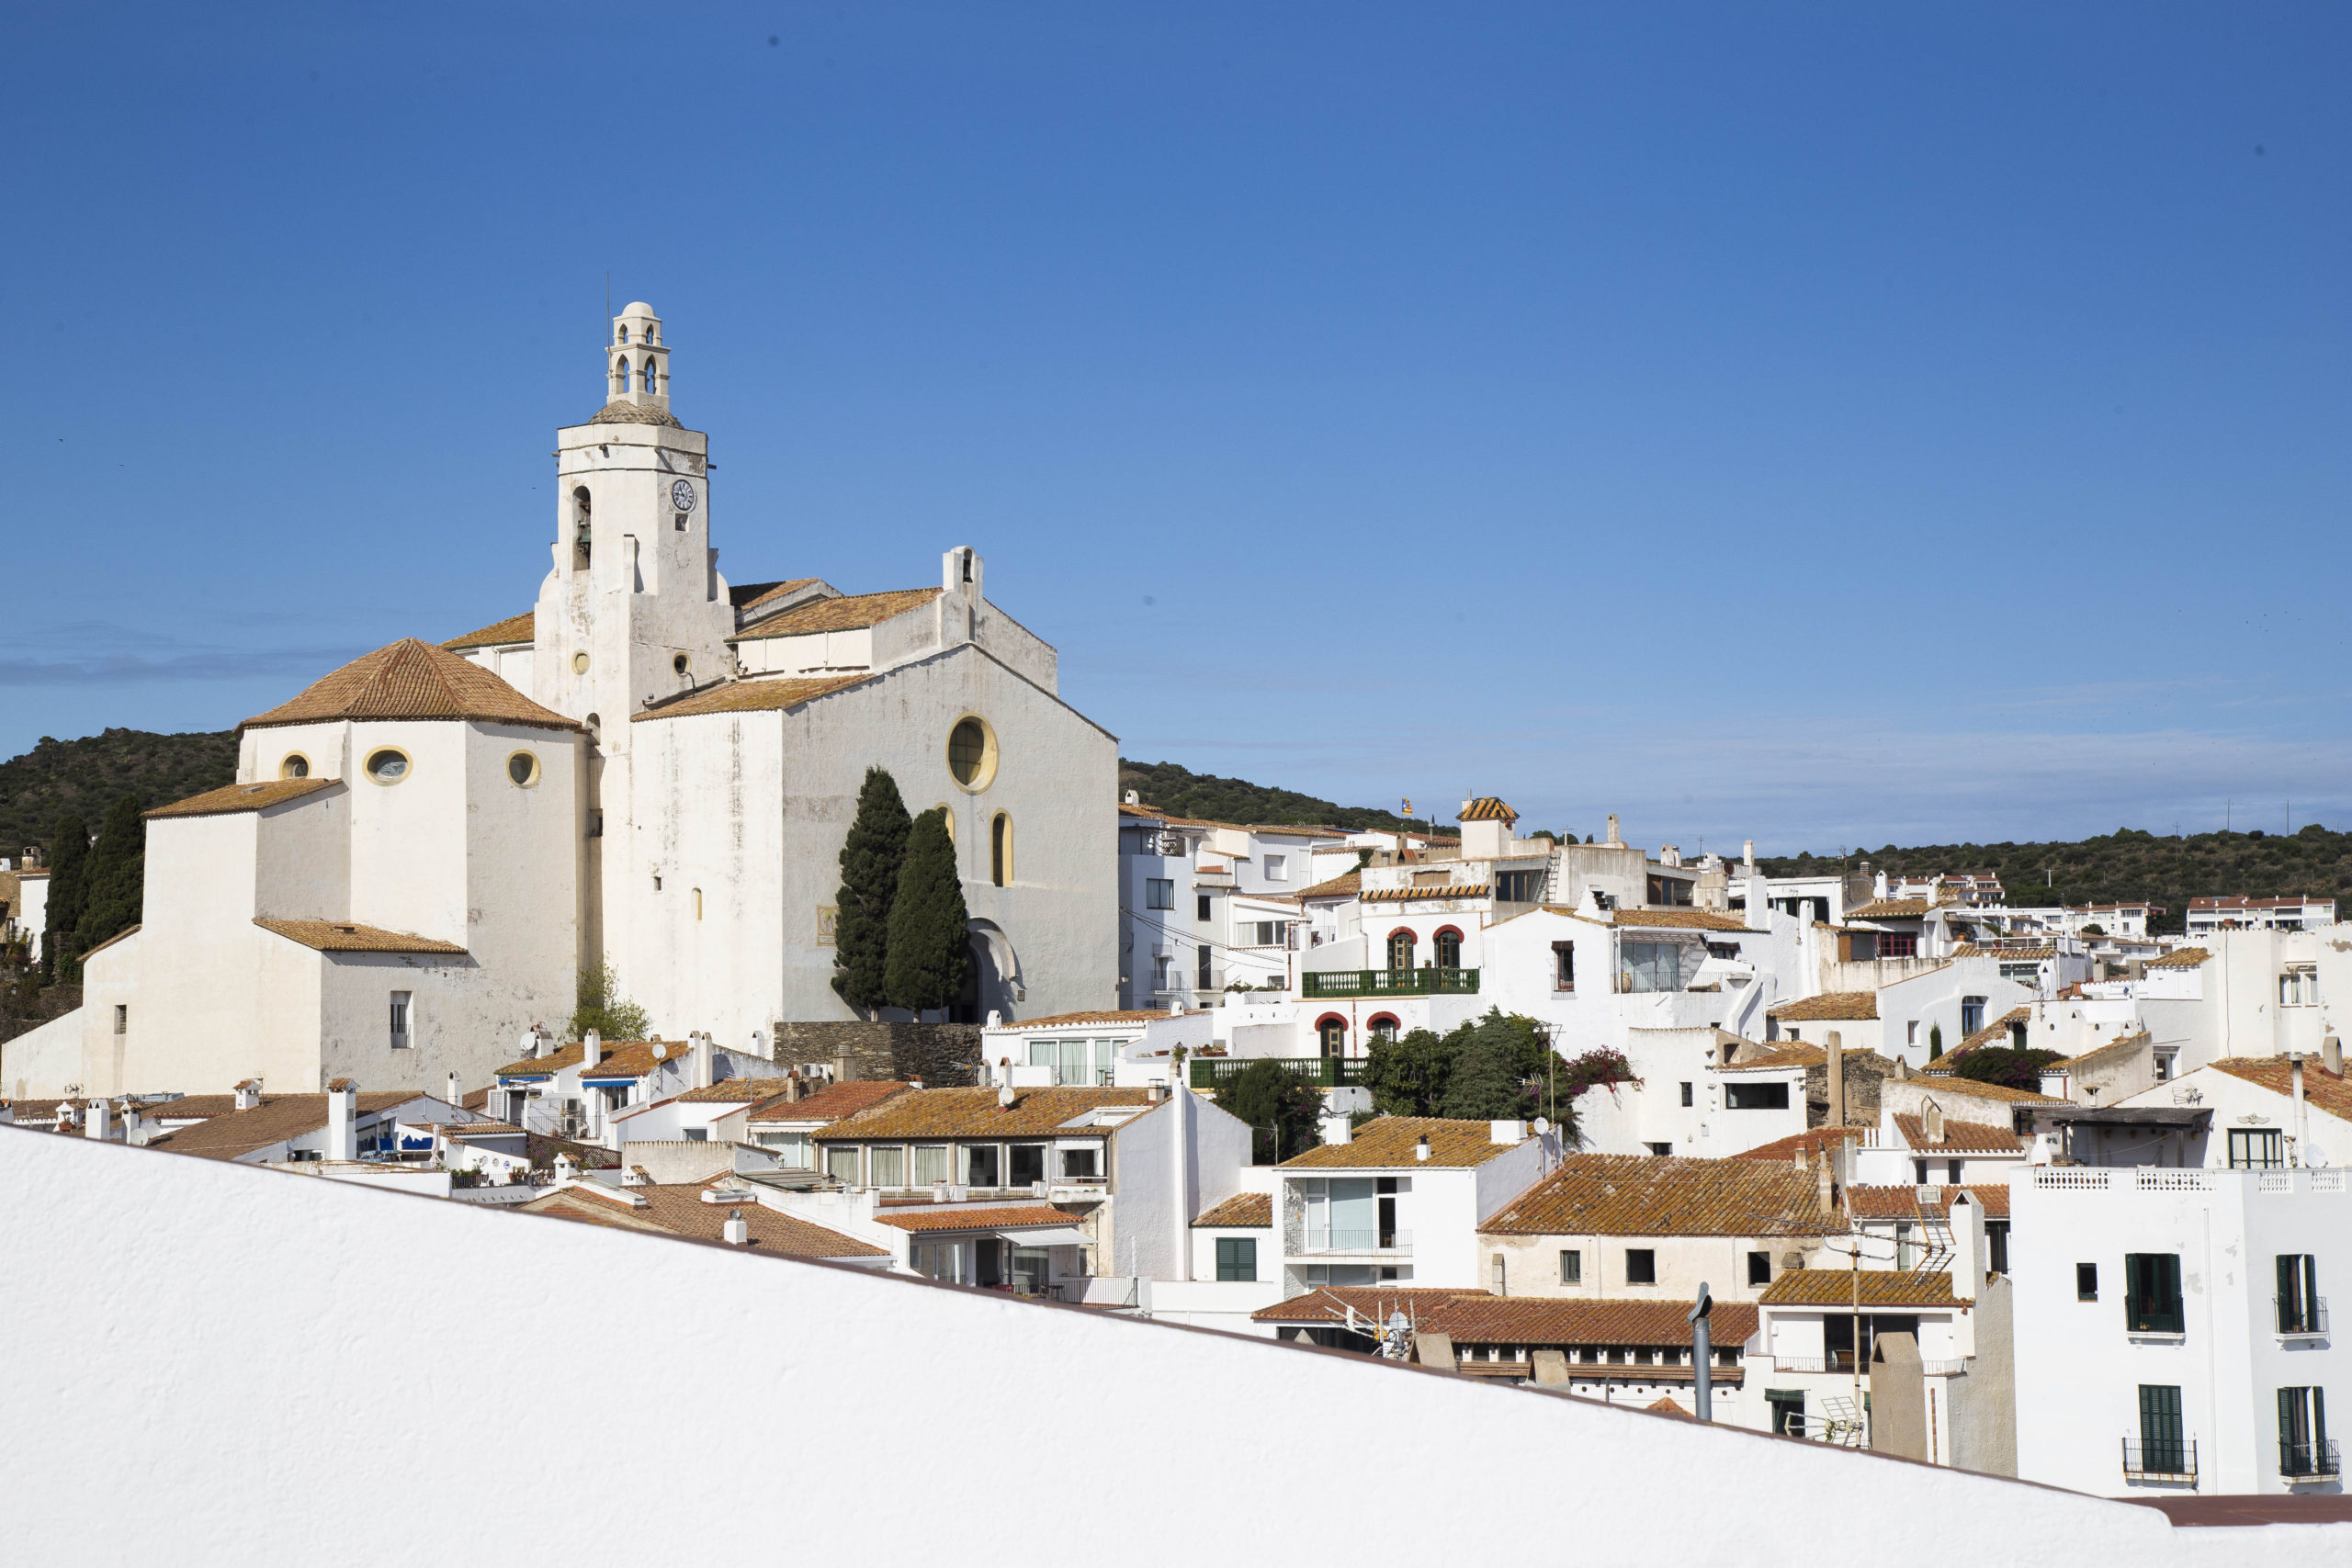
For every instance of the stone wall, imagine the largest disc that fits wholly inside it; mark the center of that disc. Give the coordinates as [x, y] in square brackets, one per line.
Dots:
[942, 1055]
[21, 1013]
[1865, 1070]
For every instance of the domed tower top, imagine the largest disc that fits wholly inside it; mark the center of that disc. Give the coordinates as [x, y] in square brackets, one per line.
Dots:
[637, 369]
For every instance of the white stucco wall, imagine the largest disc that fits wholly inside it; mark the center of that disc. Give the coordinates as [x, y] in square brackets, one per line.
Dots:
[139, 1266]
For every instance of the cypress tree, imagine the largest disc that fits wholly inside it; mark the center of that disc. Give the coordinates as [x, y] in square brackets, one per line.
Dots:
[930, 929]
[115, 885]
[69, 862]
[870, 858]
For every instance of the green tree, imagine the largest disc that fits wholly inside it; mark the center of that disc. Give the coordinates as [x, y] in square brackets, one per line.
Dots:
[115, 885]
[601, 1008]
[1487, 1081]
[68, 864]
[2005, 1066]
[872, 857]
[1268, 1095]
[1408, 1075]
[931, 943]
[1935, 1042]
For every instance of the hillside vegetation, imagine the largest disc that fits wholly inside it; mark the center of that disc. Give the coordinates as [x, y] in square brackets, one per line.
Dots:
[2125, 866]
[88, 776]
[1183, 793]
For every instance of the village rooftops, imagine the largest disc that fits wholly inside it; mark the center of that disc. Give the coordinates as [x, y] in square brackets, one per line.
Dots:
[1243, 1210]
[619, 1059]
[2330, 1091]
[1890, 910]
[410, 680]
[1345, 886]
[231, 798]
[1677, 919]
[1393, 1143]
[1329, 1304]
[1996, 1030]
[682, 1209]
[757, 693]
[1955, 1085]
[1829, 1007]
[1924, 1203]
[499, 634]
[842, 612]
[273, 1122]
[828, 1102]
[346, 936]
[733, 1091]
[1064, 1020]
[1960, 1137]
[927, 1217]
[2179, 958]
[1810, 1145]
[977, 1113]
[1476, 1316]
[1666, 1195]
[1876, 1287]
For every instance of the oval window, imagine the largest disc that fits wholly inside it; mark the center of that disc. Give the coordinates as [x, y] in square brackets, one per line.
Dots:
[388, 766]
[971, 753]
[296, 766]
[580, 664]
[679, 664]
[524, 768]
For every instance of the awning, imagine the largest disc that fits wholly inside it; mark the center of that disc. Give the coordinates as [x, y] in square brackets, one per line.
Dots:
[1047, 1235]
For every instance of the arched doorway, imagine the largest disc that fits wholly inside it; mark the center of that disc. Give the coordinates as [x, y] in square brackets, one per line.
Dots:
[1331, 1034]
[1449, 949]
[1401, 944]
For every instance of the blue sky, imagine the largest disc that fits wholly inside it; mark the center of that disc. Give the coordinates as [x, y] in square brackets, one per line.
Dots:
[1824, 424]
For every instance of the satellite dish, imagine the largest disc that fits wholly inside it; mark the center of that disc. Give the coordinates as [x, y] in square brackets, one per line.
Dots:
[661, 1051]
[2315, 1157]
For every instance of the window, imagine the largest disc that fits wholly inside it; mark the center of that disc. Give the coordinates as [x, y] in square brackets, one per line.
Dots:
[1911, 1033]
[1160, 971]
[121, 1018]
[930, 1164]
[2163, 1067]
[1759, 1268]
[400, 1021]
[1520, 886]
[2152, 1293]
[1661, 1150]
[1641, 1266]
[1898, 944]
[1204, 975]
[624, 338]
[1564, 967]
[1996, 1246]
[1918, 1173]
[841, 1164]
[1160, 892]
[1971, 1014]
[1787, 1405]
[1202, 909]
[295, 766]
[1571, 1266]
[2027, 972]
[792, 1148]
[2304, 1448]
[1331, 1034]
[1001, 849]
[2087, 1282]
[2298, 987]
[1277, 868]
[1951, 1172]
[971, 753]
[522, 768]
[1237, 1258]
[697, 1135]
[1755, 1097]
[1081, 1164]
[1686, 1094]
[1651, 965]
[2298, 1303]
[1382, 1027]
[1028, 1163]
[1270, 934]
[2163, 1450]
[388, 766]
[978, 1162]
[580, 533]
[1449, 949]
[887, 1164]
[645, 376]
[1400, 950]
[2257, 1148]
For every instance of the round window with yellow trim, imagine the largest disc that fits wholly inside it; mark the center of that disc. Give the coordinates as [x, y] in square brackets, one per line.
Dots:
[523, 767]
[388, 765]
[580, 664]
[295, 766]
[971, 753]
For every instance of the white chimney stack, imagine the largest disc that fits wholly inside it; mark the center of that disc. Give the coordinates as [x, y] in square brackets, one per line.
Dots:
[1421, 1149]
[1748, 851]
[99, 1122]
[343, 1105]
[456, 1095]
[592, 1048]
[736, 1231]
[1339, 1129]
[249, 1094]
[1613, 837]
[1506, 1132]
[703, 1052]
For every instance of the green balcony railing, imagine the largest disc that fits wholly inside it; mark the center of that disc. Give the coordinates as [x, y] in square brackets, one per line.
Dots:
[1428, 982]
[1323, 1072]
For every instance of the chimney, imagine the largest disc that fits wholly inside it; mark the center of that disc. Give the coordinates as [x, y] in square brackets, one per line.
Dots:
[249, 1094]
[1154, 1093]
[1338, 1129]
[1748, 851]
[343, 1105]
[1613, 829]
[794, 1087]
[1931, 1122]
[2301, 1129]
[737, 1232]
[1132, 798]
[456, 1095]
[1826, 1184]
[99, 1122]
[1421, 1149]
[2331, 1055]
[1506, 1132]
[592, 1048]
[1834, 1055]
[565, 1169]
[1968, 1248]
[704, 1051]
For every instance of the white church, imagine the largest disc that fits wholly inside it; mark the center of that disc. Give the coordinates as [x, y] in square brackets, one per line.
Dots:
[650, 765]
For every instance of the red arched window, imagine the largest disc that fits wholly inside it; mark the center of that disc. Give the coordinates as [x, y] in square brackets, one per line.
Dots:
[1382, 1026]
[1449, 947]
[1331, 1031]
[1401, 942]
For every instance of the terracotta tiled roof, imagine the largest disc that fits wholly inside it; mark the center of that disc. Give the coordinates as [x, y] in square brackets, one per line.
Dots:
[542, 1067]
[1830, 1006]
[2130, 1042]
[1998, 1029]
[847, 613]
[1904, 1203]
[1056, 1019]
[194, 1107]
[734, 1091]
[1242, 1211]
[411, 679]
[514, 629]
[757, 594]
[233, 798]
[1958, 1086]
[680, 1210]
[1785, 1150]
[1889, 910]
[1663, 1406]
[1653, 1195]
[1390, 1141]
[123, 935]
[1960, 1137]
[1878, 1288]
[2179, 958]
[762, 693]
[830, 1103]
[343, 936]
[1546, 1320]
[618, 412]
[1345, 886]
[1678, 919]
[2017, 954]
[2241, 901]
[2330, 1091]
[973, 1113]
[1489, 808]
[947, 1217]
[1329, 1304]
[1433, 890]
[620, 1058]
[273, 1121]
[486, 1130]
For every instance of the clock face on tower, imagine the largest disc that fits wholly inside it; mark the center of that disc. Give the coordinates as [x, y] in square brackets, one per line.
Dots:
[681, 496]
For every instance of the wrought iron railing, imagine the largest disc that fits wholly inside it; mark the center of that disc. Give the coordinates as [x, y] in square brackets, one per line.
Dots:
[2314, 1458]
[1323, 1072]
[2166, 1459]
[2301, 1314]
[1424, 982]
[2141, 1316]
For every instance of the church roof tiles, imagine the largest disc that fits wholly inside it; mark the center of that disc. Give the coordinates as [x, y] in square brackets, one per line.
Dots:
[850, 612]
[749, 697]
[410, 680]
[233, 798]
[498, 633]
[343, 936]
